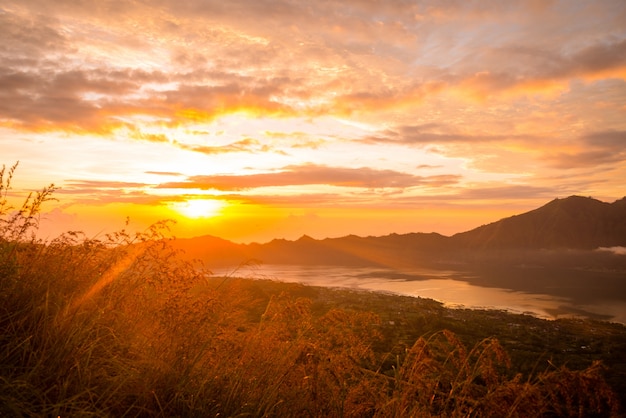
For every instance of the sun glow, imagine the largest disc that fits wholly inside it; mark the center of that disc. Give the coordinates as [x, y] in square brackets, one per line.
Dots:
[199, 208]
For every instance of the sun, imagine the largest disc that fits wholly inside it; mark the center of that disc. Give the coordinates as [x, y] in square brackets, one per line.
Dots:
[198, 208]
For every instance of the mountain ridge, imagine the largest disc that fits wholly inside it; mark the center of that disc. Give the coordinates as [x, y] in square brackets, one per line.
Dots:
[574, 223]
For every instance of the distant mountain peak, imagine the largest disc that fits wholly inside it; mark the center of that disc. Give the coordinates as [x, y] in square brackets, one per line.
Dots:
[571, 222]
[576, 200]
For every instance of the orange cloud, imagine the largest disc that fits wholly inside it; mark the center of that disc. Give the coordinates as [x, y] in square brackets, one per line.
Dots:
[310, 174]
[550, 75]
[388, 99]
[595, 149]
[245, 145]
[430, 134]
[254, 63]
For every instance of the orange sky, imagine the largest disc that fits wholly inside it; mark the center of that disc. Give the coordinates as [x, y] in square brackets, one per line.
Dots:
[296, 117]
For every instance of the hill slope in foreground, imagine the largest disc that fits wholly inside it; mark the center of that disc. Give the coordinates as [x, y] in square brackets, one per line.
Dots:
[121, 327]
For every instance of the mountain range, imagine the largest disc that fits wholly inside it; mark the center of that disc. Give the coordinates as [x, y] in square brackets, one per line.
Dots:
[573, 223]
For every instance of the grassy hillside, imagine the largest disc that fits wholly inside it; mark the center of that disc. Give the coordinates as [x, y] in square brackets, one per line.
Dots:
[122, 326]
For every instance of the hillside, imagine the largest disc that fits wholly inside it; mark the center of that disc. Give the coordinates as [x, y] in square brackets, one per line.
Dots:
[351, 250]
[572, 223]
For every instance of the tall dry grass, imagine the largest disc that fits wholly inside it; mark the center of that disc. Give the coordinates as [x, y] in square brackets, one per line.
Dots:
[120, 326]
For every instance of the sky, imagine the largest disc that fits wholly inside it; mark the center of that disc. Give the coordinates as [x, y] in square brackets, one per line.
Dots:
[255, 119]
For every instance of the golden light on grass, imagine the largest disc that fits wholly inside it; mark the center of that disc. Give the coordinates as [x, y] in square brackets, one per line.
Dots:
[199, 208]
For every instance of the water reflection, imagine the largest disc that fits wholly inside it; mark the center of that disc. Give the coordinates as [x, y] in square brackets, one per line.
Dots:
[448, 287]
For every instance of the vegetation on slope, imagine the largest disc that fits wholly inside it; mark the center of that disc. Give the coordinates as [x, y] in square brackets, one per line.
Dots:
[120, 326]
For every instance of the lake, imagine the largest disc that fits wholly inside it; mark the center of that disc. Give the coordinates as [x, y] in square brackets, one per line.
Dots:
[451, 288]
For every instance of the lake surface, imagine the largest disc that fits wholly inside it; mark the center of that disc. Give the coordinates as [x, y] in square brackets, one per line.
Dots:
[448, 287]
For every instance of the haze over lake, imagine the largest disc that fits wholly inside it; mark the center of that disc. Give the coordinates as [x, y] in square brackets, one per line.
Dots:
[446, 286]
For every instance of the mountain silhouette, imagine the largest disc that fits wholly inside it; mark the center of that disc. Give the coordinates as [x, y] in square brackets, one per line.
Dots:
[575, 223]
[549, 250]
[572, 223]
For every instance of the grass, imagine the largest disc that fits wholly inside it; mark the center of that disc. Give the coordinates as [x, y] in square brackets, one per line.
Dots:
[121, 326]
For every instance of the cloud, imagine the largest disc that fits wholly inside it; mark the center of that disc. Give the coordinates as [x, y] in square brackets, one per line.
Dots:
[165, 173]
[457, 197]
[593, 150]
[103, 184]
[512, 191]
[382, 98]
[311, 174]
[298, 139]
[48, 100]
[204, 102]
[71, 82]
[27, 38]
[428, 134]
[98, 187]
[610, 140]
[157, 138]
[95, 192]
[541, 71]
[599, 59]
[427, 166]
[89, 68]
[100, 100]
[245, 145]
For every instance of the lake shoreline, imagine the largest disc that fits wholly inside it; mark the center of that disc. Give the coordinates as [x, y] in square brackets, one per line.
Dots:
[454, 289]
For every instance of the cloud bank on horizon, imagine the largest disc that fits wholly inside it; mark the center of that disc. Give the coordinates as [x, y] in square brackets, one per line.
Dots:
[313, 106]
